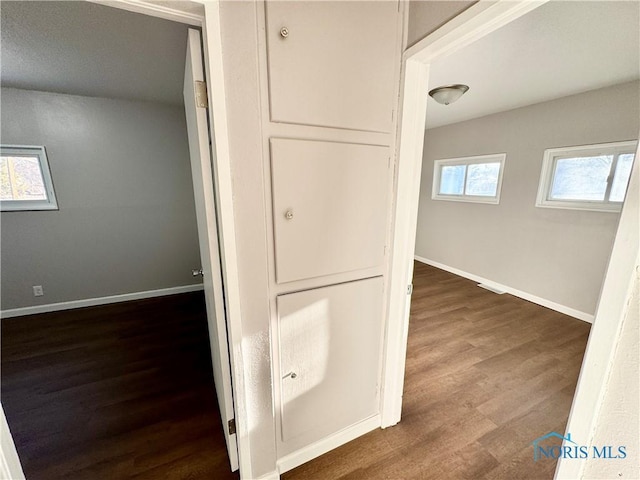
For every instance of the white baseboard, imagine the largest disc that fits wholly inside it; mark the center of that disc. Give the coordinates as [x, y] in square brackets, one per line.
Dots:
[572, 312]
[321, 447]
[270, 476]
[91, 302]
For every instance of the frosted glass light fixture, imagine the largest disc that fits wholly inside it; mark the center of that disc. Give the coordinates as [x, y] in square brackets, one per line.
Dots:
[448, 93]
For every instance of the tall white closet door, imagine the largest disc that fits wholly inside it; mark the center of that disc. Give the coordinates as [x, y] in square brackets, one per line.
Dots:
[330, 356]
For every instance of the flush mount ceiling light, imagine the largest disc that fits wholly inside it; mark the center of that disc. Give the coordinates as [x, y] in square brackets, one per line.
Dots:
[448, 93]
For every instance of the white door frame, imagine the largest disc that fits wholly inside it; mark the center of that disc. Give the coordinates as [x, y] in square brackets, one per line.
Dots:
[474, 23]
[212, 44]
[479, 20]
[223, 181]
[214, 73]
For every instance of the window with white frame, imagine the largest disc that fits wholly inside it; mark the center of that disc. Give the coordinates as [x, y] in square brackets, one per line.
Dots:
[469, 179]
[588, 177]
[25, 179]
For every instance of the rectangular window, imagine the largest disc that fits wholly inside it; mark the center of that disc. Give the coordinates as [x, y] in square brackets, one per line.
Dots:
[589, 177]
[25, 179]
[469, 179]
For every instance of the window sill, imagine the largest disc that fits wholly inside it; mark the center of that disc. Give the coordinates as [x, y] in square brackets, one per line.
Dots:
[589, 207]
[468, 199]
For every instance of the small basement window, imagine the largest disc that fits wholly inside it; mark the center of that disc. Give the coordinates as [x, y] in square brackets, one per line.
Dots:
[25, 179]
[589, 177]
[469, 179]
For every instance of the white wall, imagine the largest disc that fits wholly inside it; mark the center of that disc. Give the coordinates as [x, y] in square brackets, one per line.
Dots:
[557, 255]
[126, 219]
[619, 422]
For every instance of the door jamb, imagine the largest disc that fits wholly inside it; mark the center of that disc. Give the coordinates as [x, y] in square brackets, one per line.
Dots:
[223, 181]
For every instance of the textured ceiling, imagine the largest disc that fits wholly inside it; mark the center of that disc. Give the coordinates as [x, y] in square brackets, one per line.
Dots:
[559, 49]
[83, 48]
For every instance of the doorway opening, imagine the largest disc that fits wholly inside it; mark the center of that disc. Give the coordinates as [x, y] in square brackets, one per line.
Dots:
[103, 83]
[421, 63]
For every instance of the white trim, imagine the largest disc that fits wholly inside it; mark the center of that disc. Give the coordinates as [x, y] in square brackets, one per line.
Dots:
[499, 287]
[492, 288]
[91, 302]
[471, 25]
[467, 161]
[10, 467]
[477, 21]
[153, 10]
[605, 334]
[223, 178]
[270, 476]
[323, 446]
[403, 237]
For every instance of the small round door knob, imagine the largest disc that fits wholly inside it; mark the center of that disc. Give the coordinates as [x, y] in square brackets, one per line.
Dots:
[289, 215]
[284, 32]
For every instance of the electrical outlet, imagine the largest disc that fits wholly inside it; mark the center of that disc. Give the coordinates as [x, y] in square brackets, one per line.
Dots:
[37, 291]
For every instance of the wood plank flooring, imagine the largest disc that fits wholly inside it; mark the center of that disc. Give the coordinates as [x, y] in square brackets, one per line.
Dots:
[114, 392]
[126, 391]
[486, 374]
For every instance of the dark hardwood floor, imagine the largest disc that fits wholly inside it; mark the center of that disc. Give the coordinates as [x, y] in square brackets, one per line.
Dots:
[486, 374]
[114, 392]
[126, 391]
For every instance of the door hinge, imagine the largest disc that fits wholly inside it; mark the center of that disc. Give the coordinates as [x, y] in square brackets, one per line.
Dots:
[410, 289]
[232, 426]
[201, 94]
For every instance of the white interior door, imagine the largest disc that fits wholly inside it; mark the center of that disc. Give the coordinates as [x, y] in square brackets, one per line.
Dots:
[200, 153]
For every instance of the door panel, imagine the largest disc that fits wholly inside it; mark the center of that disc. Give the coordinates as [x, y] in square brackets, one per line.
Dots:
[342, 76]
[330, 354]
[329, 207]
[200, 154]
